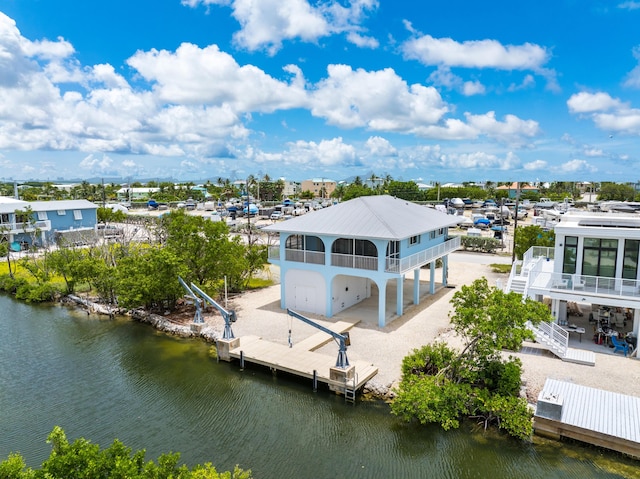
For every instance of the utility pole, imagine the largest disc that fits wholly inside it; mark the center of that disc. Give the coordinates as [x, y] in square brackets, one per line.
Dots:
[515, 224]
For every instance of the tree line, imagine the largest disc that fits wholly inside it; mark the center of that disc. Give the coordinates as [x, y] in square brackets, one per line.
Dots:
[133, 274]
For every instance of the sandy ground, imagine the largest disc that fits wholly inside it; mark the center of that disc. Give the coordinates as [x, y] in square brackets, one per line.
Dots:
[259, 314]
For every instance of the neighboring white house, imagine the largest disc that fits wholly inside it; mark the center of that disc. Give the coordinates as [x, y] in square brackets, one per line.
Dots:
[334, 258]
[595, 260]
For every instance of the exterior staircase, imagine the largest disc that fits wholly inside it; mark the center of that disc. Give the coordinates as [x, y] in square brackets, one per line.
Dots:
[518, 285]
[556, 340]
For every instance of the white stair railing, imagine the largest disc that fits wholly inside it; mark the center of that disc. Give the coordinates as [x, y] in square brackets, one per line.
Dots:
[552, 336]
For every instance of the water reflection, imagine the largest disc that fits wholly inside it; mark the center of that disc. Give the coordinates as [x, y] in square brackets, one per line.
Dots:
[104, 379]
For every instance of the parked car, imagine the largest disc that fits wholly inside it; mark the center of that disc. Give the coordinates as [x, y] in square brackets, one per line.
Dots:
[276, 215]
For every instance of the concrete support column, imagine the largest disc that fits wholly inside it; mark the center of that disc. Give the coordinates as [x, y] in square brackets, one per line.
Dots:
[432, 277]
[416, 286]
[382, 303]
[399, 294]
[636, 322]
[283, 299]
[445, 270]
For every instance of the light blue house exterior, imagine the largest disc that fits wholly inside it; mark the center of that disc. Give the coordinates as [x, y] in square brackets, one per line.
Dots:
[47, 219]
[334, 258]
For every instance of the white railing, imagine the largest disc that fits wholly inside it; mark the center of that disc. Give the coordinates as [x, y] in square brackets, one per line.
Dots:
[402, 265]
[304, 256]
[538, 252]
[274, 252]
[15, 228]
[354, 261]
[582, 283]
[552, 336]
[516, 268]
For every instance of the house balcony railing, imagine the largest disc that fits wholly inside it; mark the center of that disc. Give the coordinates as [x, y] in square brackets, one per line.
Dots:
[274, 252]
[304, 256]
[584, 284]
[354, 261]
[402, 265]
[25, 227]
[538, 252]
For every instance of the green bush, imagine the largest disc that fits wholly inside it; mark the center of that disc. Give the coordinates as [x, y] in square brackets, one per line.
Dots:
[9, 284]
[37, 293]
[82, 459]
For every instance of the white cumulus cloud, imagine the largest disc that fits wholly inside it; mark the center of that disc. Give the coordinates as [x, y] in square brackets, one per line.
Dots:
[266, 24]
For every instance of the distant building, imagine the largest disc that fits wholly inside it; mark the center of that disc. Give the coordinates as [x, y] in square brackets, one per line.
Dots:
[320, 187]
[512, 189]
[48, 219]
[291, 189]
[134, 194]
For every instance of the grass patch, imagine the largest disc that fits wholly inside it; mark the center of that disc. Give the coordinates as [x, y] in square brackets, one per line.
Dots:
[500, 267]
[258, 283]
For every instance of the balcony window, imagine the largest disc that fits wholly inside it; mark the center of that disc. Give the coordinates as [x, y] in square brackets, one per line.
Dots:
[599, 257]
[630, 262]
[295, 242]
[570, 255]
[414, 240]
[42, 216]
[356, 247]
[77, 215]
[62, 212]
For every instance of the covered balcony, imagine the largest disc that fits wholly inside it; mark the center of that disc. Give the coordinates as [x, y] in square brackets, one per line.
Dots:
[537, 270]
[368, 262]
[402, 265]
[25, 227]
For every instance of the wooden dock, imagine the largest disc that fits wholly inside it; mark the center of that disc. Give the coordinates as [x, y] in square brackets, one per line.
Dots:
[302, 360]
[602, 418]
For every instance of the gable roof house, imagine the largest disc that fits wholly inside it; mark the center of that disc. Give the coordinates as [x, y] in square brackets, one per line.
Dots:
[335, 258]
[48, 220]
[594, 260]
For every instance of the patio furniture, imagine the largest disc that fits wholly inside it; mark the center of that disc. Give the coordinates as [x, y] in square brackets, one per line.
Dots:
[619, 345]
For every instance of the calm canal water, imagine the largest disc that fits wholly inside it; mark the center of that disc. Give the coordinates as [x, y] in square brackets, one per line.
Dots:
[103, 379]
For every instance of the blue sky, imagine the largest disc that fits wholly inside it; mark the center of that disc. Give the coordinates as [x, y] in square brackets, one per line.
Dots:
[422, 90]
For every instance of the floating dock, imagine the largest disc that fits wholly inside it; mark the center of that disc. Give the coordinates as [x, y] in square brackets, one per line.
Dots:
[594, 416]
[302, 360]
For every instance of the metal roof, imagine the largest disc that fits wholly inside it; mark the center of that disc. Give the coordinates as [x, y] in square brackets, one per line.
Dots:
[62, 205]
[9, 205]
[379, 217]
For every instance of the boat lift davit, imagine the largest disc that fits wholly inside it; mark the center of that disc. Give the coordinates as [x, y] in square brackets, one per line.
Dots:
[228, 316]
[342, 339]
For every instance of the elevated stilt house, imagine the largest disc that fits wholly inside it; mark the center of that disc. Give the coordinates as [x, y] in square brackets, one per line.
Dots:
[334, 258]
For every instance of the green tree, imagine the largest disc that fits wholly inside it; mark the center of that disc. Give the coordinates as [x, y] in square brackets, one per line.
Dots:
[616, 192]
[65, 262]
[406, 190]
[440, 385]
[108, 215]
[82, 459]
[203, 246]
[532, 235]
[148, 277]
